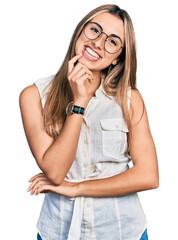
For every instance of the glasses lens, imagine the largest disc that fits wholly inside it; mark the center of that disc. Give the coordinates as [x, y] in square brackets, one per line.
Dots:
[92, 31]
[113, 44]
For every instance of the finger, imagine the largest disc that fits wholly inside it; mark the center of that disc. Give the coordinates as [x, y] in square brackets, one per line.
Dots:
[77, 68]
[83, 79]
[72, 61]
[80, 73]
[45, 188]
[35, 181]
[87, 70]
[39, 174]
[40, 183]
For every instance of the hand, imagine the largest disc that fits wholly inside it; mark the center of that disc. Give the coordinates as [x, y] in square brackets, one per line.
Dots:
[40, 184]
[78, 76]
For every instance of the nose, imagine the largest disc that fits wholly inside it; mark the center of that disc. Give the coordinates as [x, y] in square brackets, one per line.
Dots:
[100, 42]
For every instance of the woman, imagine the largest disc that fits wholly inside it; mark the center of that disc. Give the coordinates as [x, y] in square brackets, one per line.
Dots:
[83, 126]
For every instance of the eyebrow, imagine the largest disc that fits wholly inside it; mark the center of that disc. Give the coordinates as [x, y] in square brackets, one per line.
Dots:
[113, 35]
[98, 25]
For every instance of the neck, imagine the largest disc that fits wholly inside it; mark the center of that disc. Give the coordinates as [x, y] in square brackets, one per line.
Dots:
[96, 82]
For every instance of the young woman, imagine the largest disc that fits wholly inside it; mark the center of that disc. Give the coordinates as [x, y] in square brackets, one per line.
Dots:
[83, 126]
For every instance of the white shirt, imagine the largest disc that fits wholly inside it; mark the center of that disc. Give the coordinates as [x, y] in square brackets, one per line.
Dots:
[101, 153]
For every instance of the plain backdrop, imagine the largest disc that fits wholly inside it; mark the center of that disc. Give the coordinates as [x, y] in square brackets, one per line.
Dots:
[35, 35]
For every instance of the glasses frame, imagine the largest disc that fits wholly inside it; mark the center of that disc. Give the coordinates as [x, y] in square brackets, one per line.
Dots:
[107, 36]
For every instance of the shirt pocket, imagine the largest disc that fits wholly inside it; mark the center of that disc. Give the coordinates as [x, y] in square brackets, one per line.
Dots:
[114, 137]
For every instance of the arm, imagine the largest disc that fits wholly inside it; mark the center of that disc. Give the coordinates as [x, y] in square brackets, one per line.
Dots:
[45, 150]
[144, 173]
[54, 157]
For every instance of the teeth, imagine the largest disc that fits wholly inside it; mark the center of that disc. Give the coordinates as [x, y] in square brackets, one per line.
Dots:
[92, 52]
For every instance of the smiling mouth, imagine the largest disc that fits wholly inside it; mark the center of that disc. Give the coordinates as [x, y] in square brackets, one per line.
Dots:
[90, 54]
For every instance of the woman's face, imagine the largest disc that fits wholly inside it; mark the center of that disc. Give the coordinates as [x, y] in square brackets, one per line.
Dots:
[101, 59]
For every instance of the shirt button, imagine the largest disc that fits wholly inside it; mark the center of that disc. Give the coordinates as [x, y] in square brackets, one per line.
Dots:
[88, 226]
[85, 164]
[86, 141]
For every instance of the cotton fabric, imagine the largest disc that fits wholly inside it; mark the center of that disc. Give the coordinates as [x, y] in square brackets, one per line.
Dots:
[101, 153]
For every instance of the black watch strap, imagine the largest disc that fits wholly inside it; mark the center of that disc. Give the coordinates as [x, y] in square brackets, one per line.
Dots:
[78, 109]
[70, 109]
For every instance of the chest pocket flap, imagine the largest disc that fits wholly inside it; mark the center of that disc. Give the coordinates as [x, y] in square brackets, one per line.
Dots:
[114, 137]
[114, 124]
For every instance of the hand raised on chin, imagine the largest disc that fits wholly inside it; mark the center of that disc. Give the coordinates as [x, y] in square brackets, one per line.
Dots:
[78, 75]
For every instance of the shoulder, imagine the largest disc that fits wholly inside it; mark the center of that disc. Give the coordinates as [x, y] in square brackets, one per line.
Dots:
[137, 106]
[136, 97]
[30, 101]
[36, 91]
[42, 84]
[29, 92]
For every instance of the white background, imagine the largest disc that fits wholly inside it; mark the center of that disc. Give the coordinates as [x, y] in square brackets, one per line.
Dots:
[35, 35]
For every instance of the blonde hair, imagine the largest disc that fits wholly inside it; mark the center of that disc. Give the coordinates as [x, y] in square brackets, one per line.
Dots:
[117, 78]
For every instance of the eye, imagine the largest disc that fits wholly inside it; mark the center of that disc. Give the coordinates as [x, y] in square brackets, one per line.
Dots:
[95, 30]
[112, 41]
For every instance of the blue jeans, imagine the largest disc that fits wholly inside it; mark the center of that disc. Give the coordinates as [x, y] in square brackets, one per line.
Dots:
[143, 237]
[39, 237]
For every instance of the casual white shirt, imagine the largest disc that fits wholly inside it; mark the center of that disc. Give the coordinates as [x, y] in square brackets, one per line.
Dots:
[101, 153]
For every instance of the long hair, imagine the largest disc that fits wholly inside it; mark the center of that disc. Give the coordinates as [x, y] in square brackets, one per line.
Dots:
[117, 78]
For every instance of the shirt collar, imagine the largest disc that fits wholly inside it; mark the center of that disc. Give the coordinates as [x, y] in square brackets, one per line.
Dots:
[101, 90]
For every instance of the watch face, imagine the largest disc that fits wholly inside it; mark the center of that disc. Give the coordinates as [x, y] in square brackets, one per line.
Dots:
[69, 108]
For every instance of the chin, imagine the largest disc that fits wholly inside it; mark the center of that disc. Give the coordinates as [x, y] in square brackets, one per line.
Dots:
[83, 61]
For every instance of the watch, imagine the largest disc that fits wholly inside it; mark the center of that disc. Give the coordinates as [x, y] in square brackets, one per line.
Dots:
[70, 109]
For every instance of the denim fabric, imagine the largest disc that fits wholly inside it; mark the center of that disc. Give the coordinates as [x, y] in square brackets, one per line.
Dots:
[101, 153]
[144, 235]
[39, 237]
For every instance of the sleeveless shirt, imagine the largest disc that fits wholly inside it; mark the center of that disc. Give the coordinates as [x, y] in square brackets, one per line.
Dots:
[101, 153]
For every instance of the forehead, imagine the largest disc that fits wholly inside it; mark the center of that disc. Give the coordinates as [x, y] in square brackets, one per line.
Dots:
[111, 24]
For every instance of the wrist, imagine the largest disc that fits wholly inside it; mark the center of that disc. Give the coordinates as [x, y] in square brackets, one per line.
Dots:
[74, 108]
[81, 103]
[79, 189]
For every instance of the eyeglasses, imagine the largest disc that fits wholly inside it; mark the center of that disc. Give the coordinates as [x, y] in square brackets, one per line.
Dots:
[93, 30]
